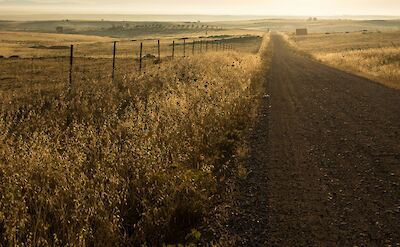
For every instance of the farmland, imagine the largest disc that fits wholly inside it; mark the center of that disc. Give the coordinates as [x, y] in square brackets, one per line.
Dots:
[129, 29]
[42, 61]
[225, 133]
[131, 160]
[151, 28]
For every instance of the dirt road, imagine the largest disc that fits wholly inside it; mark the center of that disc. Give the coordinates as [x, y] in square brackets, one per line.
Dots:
[325, 165]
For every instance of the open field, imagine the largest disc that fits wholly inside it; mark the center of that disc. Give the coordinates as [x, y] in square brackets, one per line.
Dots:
[130, 162]
[255, 145]
[126, 29]
[375, 55]
[33, 44]
[41, 61]
[327, 25]
[153, 29]
[28, 44]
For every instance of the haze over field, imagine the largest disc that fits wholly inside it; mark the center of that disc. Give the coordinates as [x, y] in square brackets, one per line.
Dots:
[205, 7]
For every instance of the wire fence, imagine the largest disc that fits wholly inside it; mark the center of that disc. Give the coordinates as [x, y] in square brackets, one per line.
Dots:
[101, 60]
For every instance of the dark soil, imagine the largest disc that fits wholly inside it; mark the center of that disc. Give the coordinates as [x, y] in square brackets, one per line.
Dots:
[324, 169]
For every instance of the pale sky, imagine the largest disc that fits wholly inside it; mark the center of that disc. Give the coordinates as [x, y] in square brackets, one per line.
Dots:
[207, 7]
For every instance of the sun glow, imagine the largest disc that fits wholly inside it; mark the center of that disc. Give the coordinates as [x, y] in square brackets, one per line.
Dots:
[209, 7]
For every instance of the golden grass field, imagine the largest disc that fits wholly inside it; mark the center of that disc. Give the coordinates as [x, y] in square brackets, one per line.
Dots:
[40, 67]
[125, 163]
[33, 44]
[375, 55]
[136, 161]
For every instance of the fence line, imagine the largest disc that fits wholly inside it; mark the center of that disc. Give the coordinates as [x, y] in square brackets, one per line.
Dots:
[86, 61]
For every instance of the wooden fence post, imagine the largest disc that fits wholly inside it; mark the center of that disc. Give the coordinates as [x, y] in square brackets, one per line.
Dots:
[173, 49]
[71, 62]
[113, 63]
[206, 46]
[193, 47]
[140, 56]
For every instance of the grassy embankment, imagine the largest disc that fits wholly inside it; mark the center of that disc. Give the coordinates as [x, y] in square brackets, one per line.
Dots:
[130, 162]
[375, 55]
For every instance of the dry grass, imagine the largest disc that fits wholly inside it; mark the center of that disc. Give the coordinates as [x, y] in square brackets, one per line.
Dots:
[381, 64]
[40, 69]
[144, 29]
[43, 45]
[20, 43]
[373, 55]
[124, 163]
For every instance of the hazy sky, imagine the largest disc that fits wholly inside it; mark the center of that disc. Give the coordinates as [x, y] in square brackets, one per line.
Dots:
[229, 7]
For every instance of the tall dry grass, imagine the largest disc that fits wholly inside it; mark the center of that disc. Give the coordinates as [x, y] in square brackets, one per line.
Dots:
[375, 55]
[128, 163]
[382, 64]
